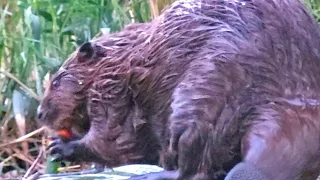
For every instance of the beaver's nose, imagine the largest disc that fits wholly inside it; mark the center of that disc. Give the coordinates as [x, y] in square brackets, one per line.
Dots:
[39, 112]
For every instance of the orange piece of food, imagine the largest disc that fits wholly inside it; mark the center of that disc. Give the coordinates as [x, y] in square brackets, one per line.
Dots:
[64, 133]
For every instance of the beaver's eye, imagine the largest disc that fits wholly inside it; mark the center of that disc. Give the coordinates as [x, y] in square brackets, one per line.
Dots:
[55, 84]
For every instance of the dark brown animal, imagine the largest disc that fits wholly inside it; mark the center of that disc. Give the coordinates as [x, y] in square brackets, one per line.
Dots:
[206, 85]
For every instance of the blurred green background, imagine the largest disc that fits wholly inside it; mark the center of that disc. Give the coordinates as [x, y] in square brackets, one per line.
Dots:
[36, 36]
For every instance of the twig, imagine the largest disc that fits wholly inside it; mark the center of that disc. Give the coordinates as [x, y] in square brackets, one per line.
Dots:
[28, 90]
[69, 168]
[33, 176]
[16, 154]
[33, 165]
[22, 138]
[13, 163]
[5, 160]
[19, 155]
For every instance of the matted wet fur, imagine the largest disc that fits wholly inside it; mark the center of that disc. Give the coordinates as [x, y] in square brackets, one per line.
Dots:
[206, 85]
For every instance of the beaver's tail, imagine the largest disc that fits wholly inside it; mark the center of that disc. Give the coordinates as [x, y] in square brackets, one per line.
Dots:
[245, 171]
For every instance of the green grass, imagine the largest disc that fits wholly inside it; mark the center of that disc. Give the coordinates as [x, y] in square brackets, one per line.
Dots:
[37, 35]
[314, 6]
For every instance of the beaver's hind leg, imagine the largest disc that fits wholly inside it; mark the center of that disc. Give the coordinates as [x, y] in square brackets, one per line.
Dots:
[283, 141]
[280, 142]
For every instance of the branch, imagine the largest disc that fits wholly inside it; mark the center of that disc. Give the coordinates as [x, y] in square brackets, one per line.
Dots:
[28, 90]
[22, 138]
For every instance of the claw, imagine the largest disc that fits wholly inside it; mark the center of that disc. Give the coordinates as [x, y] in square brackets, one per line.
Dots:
[54, 141]
[55, 150]
[57, 158]
[63, 151]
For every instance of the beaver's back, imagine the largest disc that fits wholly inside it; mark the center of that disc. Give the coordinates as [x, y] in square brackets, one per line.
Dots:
[274, 41]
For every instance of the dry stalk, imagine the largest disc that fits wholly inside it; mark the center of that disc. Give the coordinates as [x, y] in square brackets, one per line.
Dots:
[33, 165]
[28, 90]
[23, 138]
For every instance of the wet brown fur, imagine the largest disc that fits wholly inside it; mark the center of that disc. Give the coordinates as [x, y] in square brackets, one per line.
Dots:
[205, 85]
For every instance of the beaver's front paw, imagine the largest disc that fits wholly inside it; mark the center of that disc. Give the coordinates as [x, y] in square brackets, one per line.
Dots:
[64, 150]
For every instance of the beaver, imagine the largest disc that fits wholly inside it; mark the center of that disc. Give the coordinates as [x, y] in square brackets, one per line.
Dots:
[204, 86]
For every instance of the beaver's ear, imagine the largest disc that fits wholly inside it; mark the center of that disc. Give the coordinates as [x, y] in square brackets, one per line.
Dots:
[85, 52]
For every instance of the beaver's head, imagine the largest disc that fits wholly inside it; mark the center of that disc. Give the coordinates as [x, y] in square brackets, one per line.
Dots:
[64, 102]
[96, 71]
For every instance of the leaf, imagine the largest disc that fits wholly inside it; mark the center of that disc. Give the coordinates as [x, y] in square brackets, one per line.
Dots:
[62, 1]
[27, 18]
[51, 63]
[47, 16]
[20, 102]
[36, 28]
[51, 167]
[105, 30]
